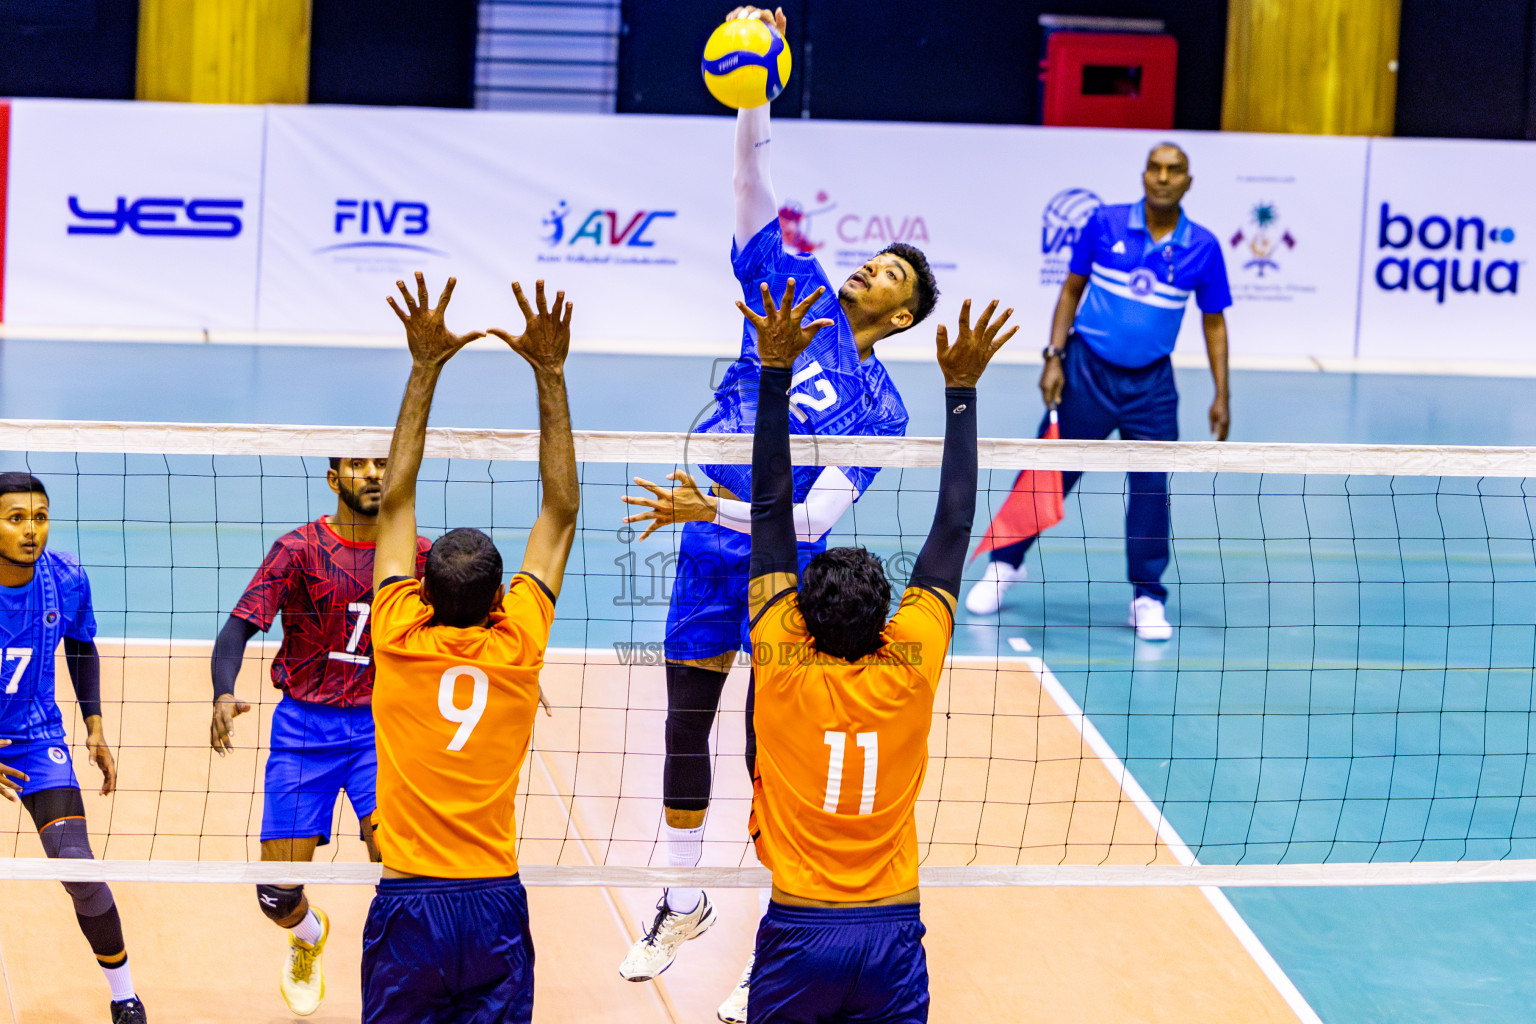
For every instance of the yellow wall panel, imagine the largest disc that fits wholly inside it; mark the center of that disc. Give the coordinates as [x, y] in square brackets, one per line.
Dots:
[224, 51]
[1324, 67]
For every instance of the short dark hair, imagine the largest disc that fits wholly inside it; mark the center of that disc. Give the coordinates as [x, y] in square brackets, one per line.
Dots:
[21, 483]
[463, 572]
[335, 461]
[925, 290]
[845, 598]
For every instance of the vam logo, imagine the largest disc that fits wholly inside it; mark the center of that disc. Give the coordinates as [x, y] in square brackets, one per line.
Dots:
[1463, 272]
[631, 233]
[1061, 223]
[380, 224]
[156, 217]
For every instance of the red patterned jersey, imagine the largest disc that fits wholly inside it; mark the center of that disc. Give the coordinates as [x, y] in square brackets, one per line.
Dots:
[323, 585]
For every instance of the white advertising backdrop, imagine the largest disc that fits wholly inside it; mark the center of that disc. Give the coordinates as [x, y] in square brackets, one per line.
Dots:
[1448, 232]
[165, 200]
[296, 221]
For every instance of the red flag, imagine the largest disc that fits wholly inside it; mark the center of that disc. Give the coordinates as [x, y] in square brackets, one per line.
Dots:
[1034, 505]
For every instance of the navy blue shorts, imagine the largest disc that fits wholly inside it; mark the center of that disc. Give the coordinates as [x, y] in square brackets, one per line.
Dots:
[317, 751]
[448, 951]
[848, 965]
[708, 615]
[46, 764]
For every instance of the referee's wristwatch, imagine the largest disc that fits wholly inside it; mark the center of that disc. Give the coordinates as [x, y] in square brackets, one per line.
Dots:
[1049, 352]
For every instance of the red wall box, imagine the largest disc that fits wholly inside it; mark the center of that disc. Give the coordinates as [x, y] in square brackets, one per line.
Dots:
[1109, 79]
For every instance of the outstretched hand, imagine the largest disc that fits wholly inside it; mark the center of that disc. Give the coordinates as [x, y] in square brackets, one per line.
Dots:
[964, 361]
[432, 343]
[780, 335]
[546, 337]
[681, 504]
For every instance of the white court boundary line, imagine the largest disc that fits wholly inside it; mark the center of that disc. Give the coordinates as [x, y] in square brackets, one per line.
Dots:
[1167, 834]
[899, 353]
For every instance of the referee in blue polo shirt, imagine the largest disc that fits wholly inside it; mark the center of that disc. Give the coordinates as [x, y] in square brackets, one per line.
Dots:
[1107, 366]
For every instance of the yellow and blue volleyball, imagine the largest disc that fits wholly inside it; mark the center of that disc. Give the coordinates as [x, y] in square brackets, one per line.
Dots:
[745, 63]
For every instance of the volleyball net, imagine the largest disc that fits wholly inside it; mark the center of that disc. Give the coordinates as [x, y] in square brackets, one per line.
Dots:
[1347, 698]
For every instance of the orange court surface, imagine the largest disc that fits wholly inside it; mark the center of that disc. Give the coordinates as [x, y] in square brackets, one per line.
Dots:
[1011, 780]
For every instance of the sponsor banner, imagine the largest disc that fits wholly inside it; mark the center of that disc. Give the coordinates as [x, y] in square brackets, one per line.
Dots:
[1448, 233]
[1285, 210]
[133, 214]
[631, 216]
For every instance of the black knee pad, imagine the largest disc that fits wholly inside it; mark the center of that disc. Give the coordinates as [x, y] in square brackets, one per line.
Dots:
[693, 697]
[68, 839]
[279, 902]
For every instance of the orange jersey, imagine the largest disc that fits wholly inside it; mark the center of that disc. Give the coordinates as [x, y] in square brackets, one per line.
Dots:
[842, 748]
[453, 713]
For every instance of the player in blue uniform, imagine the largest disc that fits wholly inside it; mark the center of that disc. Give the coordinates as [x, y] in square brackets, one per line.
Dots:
[838, 387]
[45, 598]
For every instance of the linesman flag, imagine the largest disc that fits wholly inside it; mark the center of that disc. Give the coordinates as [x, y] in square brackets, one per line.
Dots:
[1034, 504]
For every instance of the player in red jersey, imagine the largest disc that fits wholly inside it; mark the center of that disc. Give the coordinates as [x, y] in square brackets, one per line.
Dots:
[320, 577]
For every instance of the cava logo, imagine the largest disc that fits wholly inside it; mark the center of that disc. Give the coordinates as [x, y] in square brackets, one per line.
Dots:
[872, 230]
[1443, 256]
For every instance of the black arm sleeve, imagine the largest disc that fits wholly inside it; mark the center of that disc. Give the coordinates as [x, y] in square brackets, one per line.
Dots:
[943, 556]
[84, 665]
[773, 478]
[229, 653]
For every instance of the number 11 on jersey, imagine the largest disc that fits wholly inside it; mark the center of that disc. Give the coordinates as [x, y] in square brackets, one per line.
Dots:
[838, 741]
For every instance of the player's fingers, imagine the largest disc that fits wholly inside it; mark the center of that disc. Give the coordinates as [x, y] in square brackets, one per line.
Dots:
[522, 301]
[566, 321]
[656, 489]
[421, 291]
[403, 318]
[559, 306]
[941, 338]
[658, 524]
[807, 302]
[241, 708]
[538, 297]
[1001, 342]
[750, 314]
[965, 317]
[410, 303]
[986, 317]
[1002, 320]
[442, 300]
[769, 309]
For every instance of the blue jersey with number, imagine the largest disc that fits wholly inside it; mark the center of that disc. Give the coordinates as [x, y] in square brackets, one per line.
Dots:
[833, 392]
[33, 621]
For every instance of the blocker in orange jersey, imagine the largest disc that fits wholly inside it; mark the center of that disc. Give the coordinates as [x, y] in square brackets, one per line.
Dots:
[842, 750]
[453, 714]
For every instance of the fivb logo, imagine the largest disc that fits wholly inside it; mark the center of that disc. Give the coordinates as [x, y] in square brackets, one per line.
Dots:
[1462, 272]
[379, 224]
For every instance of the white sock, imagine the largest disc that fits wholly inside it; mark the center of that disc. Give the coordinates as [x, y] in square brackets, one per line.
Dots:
[119, 980]
[310, 929]
[685, 848]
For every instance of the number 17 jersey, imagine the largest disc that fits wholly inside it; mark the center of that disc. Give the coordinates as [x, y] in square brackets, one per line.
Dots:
[323, 585]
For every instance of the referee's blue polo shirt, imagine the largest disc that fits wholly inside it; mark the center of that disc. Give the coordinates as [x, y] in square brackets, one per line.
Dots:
[1137, 288]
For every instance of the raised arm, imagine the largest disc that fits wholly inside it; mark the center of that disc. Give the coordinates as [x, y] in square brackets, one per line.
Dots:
[780, 338]
[544, 343]
[940, 562]
[829, 497]
[753, 185]
[432, 345]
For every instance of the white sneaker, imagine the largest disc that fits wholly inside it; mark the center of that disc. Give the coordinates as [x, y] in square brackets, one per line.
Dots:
[1149, 620]
[304, 978]
[986, 597]
[657, 948]
[734, 1009]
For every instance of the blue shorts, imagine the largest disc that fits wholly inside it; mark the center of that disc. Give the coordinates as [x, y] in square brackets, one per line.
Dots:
[848, 965]
[708, 615]
[47, 764]
[448, 951]
[317, 750]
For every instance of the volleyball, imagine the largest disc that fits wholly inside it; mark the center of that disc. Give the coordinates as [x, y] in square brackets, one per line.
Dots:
[745, 63]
